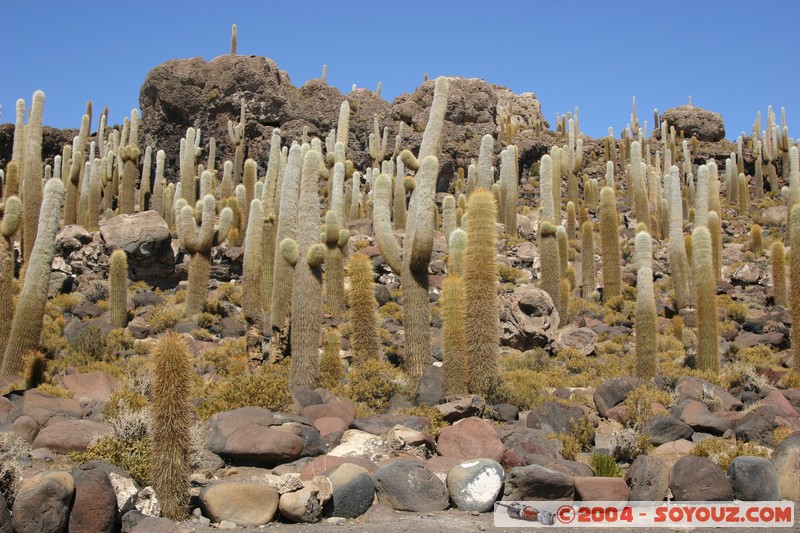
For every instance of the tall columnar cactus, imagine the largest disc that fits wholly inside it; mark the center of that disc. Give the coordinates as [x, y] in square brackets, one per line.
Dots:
[609, 244]
[743, 195]
[307, 296]
[588, 268]
[12, 215]
[171, 413]
[646, 316]
[31, 177]
[705, 289]
[343, 126]
[550, 263]
[127, 187]
[563, 250]
[249, 182]
[756, 240]
[283, 269]
[188, 167]
[331, 368]
[482, 322]
[236, 137]
[456, 246]
[253, 266]
[454, 340]
[715, 230]
[678, 261]
[118, 288]
[363, 304]
[485, 174]
[571, 229]
[26, 327]
[336, 239]
[509, 190]
[546, 177]
[448, 216]
[794, 296]
[778, 261]
[639, 186]
[95, 199]
[199, 242]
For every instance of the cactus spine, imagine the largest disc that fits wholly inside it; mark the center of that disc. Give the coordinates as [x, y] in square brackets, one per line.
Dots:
[118, 288]
[778, 260]
[639, 186]
[794, 296]
[331, 371]
[307, 296]
[12, 211]
[454, 342]
[646, 317]
[171, 389]
[456, 246]
[705, 287]
[26, 326]
[609, 244]
[448, 216]
[363, 319]
[482, 322]
[546, 182]
[199, 242]
[253, 266]
[550, 263]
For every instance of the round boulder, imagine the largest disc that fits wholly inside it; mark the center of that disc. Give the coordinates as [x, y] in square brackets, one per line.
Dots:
[475, 485]
[695, 122]
[407, 485]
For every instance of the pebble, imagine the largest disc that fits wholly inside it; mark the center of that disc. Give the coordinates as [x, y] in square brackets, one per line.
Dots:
[226, 524]
[337, 520]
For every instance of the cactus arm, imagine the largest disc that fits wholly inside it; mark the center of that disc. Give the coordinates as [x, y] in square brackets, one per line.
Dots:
[422, 240]
[383, 225]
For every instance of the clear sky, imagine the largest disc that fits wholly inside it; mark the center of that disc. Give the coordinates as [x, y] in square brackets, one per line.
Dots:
[732, 56]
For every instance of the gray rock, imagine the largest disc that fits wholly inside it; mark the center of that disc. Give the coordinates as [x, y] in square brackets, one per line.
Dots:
[754, 479]
[42, 503]
[131, 519]
[696, 389]
[247, 435]
[305, 505]
[430, 389]
[554, 417]
[663, 429]
[613, 392]
[5, 516]
[697, 415]
[94, 509]
[475, 485]
[648, 479]
[505, 412]
[462, 407]
[528, 318]
[759, 425]
[380, 424]
[69, 435]
[407, 485]
[536, 482]
[786, 459]
[148, 242]
[695, 478]
[245, 504]
[41, 407]
[353, 490]
[154, 524]
[579, 338]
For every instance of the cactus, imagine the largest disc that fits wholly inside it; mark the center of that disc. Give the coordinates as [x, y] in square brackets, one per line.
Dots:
[11, 211]
[456, 246]
[234, 29]
[561, 239]
[678, 261]
[550, 262]
[26, 326]
[509, 189]
[283, 269]
[705, 289]
[448, 216]
[646, 316]
[363, 318]
[118, 288]
[127, 187]
[454, 342]
[31, 177]
[331, 370]
[715, 230]
[588, 268]
[171, 422]
[637, 181]
[307, 295]
[778, 262]
[794, 295]
[236, 137]
[743, 195]
[756, 240]
[199, 242]
[571, 229]
[95, 195]
[546, 183]
[482, 322]
[253, 266]
[564, 290]
[249, 181]
[343, 126]
[336, 239]
[609, 244]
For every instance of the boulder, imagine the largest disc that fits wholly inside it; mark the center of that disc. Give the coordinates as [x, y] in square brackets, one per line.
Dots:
[154, 524]
[663, 429]
[613, 392]
[471, 438]
[42, 407]
[528, 318]
[462, 407]
[244, 504]
[578, 338]
[407, 485]
[554, 417]
[430, 390]
[607, 489]
[69, 435]
[696, 389]
[380, 424]
[148, 242]
[43, 503]
[249, 436]
[695, 478]
[94, 509]
[754, 479]
[475, 485]
[5, 516]
[305, 505]
[92, 385]
[697, 415]
[786, 459]
[327, 463]
[536, 482]
[648, 479]
[695, 122]
[353, 490]
[355, 443]
[344, 409]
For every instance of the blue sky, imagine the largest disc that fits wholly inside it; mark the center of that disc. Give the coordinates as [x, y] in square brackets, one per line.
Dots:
[733, 57]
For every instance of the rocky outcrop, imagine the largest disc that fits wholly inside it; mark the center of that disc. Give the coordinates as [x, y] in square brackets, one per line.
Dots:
[695, 122]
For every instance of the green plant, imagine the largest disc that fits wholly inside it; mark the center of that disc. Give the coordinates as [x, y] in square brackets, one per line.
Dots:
[361, 297]
[198, 242]
[118, 288]
[604, 465]
[433, 415]
[630, 443]
[640, 403]
[132, 457]
[705, 286]
[31, 181]
[375, 382]
[609, 244]
[722, 451]
[26, 327]
[171, 424]
[577, 439]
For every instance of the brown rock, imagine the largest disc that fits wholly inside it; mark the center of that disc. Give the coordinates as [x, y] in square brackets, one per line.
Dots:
[344, 409]
[528, 318]
[69, 435]
[471, 438]
[608, 489]
[92, 385]
[244, 504]
[246, 435]
[42, 407]
[326, 463]
[698, 479]
[94, 509]
[694, 121]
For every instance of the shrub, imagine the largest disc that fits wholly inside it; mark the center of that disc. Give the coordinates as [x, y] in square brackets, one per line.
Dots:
[722, 451]
[629, 444]
[640, 403]
[433, 415]
[604, 465]
[14, 452]
[165, 316]
[268, 388]
[122, 400]
[577, 439]
[131, 456]
[375, 382]
[521, 388]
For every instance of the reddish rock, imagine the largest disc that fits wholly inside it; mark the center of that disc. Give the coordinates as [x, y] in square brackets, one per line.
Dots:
[94, 509]
[328, 425]
[92, 385]
[5, 407]
[471, 438]
[779, 402]
[247, 435]
[607, 489]
[344, 409]
[69, 435]
[327, 463]
[42, 407]
[698, 416]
